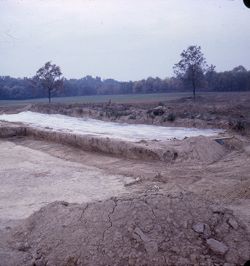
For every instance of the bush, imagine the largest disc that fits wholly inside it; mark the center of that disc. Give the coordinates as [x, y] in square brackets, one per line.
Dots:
[158, 112]
[132, 117]
[238, 125]
[171, 117]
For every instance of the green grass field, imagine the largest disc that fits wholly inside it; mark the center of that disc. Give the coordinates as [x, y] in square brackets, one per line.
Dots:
[127, 98]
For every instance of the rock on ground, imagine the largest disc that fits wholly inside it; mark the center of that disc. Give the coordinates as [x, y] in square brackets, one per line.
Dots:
[217, 246]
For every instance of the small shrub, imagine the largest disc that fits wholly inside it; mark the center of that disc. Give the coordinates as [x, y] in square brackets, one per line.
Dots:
[158, 112]
[132, 117]
[112, 113]
[79, 111]
[238, 125]
[171, 117]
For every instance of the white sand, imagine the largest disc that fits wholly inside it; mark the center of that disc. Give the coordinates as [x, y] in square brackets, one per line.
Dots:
[124, 131]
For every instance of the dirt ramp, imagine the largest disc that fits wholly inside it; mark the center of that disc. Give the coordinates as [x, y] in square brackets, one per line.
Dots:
[147, 230]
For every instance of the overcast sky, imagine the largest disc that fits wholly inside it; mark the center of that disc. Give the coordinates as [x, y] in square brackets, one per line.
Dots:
[120, 39]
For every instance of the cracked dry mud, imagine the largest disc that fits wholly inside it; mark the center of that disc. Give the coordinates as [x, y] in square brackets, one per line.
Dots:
[111, 210]
[150, 229]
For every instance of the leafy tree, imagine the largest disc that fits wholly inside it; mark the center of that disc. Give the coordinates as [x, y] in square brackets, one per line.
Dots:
[237, 79]
[50, 78]
[192, 66]
[239, 69]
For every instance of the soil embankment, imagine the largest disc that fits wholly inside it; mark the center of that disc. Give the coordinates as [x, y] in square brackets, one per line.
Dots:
[200, 149]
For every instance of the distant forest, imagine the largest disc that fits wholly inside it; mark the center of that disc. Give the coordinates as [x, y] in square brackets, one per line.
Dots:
[237, 79]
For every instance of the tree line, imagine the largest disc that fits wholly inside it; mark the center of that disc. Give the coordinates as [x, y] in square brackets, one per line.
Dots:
[191, 73]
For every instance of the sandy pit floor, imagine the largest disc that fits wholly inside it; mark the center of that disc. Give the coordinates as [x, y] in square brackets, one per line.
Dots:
[31, 179]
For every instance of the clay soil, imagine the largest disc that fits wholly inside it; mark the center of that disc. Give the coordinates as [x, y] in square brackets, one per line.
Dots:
[63, 205]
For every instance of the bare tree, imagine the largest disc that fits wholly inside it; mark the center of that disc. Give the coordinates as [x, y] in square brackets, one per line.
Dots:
[50, 78]
[192, 66]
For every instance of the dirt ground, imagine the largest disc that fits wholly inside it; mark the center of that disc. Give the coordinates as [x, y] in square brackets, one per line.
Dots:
[104, 209]
[30, 183]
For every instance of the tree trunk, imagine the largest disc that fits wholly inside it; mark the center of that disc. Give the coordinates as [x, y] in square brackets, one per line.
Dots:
[194, 89]
[194, 81]
[49, 94]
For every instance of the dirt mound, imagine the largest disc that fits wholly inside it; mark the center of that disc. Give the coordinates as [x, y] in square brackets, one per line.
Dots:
[147, 230]
[196, 149]
[201, 149]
